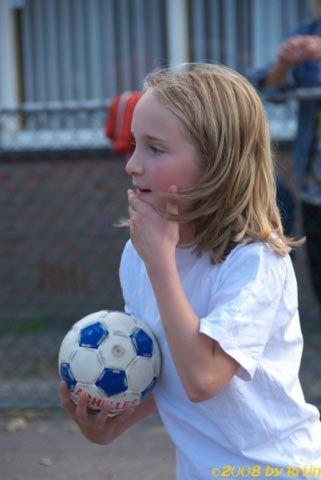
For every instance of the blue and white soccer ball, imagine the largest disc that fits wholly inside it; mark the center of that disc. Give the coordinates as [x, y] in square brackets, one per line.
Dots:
[112, 356]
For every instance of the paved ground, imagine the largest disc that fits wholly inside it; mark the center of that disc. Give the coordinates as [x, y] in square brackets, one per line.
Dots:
[36, 446]
[52, 449]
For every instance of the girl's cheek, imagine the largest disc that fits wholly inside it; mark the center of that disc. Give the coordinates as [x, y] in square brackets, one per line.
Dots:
[161, 177]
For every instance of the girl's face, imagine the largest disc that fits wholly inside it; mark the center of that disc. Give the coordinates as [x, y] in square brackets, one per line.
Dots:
[163, 156]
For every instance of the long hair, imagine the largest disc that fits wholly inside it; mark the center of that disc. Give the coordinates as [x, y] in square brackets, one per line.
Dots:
[235, 200]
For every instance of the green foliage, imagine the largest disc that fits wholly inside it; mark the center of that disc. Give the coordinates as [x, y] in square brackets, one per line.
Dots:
[34, 325]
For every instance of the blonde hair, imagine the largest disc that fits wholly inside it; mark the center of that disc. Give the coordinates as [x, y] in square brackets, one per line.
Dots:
[235, 200]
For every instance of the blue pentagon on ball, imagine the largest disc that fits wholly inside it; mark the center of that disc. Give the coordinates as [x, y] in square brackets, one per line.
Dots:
[143, 343]
[93, 335]
[112, 381]
[67, 376]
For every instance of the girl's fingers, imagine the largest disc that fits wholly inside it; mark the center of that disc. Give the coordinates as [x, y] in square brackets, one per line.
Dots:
[135, 202]
[66, 401]
[131, 196]
[81, 409]
[103, 415]
[123, 416]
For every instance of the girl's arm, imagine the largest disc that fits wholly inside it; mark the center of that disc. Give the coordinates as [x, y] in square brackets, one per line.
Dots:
[204, 368]
[100, 428]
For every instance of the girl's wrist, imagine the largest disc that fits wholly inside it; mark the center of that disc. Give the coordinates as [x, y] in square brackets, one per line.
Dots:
[161, 264]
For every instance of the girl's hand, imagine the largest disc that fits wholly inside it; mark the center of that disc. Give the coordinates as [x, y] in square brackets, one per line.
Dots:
[98, 428]
[154, 237]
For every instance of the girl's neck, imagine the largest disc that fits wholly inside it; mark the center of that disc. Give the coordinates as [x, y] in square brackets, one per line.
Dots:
[186, 233]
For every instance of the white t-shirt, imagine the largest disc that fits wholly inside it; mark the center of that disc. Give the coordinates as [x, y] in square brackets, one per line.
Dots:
[248, 304]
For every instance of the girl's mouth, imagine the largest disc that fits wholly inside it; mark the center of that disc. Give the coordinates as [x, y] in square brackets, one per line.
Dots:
[142, 190]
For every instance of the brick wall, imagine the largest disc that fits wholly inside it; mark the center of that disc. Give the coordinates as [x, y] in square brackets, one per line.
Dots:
[59, 249]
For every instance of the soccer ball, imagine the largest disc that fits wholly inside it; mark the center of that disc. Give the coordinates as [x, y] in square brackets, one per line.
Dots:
[112, 356]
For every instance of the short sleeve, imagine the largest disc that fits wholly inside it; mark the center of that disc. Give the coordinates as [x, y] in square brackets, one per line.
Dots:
[127, 275]
[244, 302]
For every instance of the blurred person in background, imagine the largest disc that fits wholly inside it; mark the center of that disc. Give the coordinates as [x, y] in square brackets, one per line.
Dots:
[298, 64]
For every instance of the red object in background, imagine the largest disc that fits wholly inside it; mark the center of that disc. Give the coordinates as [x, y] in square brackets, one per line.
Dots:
[118, 123]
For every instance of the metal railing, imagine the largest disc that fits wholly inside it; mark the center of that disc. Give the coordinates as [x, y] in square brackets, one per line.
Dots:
[307, 93]
[53, 125]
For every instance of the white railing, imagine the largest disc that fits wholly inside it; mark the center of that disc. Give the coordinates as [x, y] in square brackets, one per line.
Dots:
[55, 125]
[74, 54]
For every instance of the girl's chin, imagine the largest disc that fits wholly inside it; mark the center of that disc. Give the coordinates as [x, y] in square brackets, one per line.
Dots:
[156, 203]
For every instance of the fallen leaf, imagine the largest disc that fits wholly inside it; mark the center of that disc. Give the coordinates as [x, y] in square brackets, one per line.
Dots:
[72, 427]
[17, 424]
[47, 461]
[158, 429]
[42, 428]
[14, 412]
[30, 414]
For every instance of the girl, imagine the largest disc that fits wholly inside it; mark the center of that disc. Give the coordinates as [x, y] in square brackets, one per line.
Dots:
[207, 267]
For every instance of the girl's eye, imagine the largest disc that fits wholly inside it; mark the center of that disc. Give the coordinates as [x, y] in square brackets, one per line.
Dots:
[155, 150]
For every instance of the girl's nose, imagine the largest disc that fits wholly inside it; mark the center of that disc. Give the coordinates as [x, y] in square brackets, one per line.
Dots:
[133, 166]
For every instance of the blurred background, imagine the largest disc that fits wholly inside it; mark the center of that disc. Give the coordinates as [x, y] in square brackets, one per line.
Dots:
[62, 187]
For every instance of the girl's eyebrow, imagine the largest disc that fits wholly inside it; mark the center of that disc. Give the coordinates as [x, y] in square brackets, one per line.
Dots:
[152, 138]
